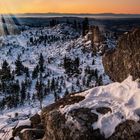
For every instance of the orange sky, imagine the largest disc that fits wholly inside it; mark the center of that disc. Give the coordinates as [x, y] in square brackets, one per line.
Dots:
[70, 6]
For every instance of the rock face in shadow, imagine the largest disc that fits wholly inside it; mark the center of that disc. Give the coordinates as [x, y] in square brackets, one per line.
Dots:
[128, 130]
[125, 59]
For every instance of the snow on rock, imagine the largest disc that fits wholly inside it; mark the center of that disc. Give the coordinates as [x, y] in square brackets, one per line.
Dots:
[122, 98]
[24, 122]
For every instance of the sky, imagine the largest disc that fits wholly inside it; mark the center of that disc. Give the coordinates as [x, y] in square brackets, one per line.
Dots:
[70, 6]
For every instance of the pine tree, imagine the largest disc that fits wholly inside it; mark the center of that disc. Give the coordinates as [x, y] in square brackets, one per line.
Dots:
[77, 82]
[27, 72]
[93, 62]
[100, 81]
[53, 85]
[75, 24]
[77, 62]
[6, 72]
[5, 65]
[39, 89]
[23, 92]
[56, 97]
[16, 87]
[35, 72]
[84, 81]
[45, 91]
[96, 74]
[85, 25]
[66, 93]
[72, 89]
[41, 63]
[19, 67]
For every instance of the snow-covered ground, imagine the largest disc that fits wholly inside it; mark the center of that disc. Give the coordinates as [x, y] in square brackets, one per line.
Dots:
[68, 43]
[19, 116]
[122, 98]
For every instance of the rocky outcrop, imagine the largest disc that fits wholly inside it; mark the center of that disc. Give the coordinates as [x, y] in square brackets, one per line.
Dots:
[98, 40]
[95, 35]
[33, 131]
[125, 59]
[59, 127]
[54, 125]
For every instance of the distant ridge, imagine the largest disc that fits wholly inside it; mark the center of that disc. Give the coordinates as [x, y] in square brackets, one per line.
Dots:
[89, 15]
[80, 14]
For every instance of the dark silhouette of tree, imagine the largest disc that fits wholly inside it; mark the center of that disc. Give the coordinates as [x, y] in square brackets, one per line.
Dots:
[23, 92]
[35, 72]
[41, 63]
[85, 26]
[5, 73]
[19, 67]
[39, 89]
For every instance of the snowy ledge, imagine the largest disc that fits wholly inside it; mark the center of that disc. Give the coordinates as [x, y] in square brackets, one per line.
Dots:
[122, 98]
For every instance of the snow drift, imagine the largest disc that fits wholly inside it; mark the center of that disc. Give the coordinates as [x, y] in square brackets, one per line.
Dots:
[122, 98]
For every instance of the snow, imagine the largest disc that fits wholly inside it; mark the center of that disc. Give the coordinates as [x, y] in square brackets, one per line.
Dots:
[123, 99]
[24, 122]
[13, 45]
[68, 45]
[8, 120]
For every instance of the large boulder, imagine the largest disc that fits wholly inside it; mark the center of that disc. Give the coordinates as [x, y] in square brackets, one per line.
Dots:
[59, 127]
[123, 61]
[32, 134]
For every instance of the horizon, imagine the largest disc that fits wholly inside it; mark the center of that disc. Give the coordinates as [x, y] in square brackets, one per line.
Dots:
[71, 13]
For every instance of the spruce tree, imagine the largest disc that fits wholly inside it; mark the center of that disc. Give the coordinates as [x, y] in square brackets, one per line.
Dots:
[19, 67]
[39, 89]
[85, 25]
[23, 92]
[35, 72]
[5, 72]
[41, 63]
[66, 92]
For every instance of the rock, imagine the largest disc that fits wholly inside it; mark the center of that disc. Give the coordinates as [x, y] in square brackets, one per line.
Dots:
[95, 35]
[68, 100]
[123, 61]
[35, 120]
[103, 110]
[128, 130]
[39, 126]
[12, 138]
[32, 134]
[59, 127]
[54, 122]
[84, 114]
[16, 131]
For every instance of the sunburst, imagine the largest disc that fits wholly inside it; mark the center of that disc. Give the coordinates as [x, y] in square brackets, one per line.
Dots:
[9, 24]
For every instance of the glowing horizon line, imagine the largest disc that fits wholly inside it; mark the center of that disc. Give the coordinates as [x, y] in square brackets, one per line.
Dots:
[70, 13]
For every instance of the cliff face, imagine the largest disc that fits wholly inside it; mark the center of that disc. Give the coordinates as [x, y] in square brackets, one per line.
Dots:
[125, 59]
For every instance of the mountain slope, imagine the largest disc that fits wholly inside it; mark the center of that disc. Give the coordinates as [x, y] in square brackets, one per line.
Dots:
[55, 44]
[105, 112]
